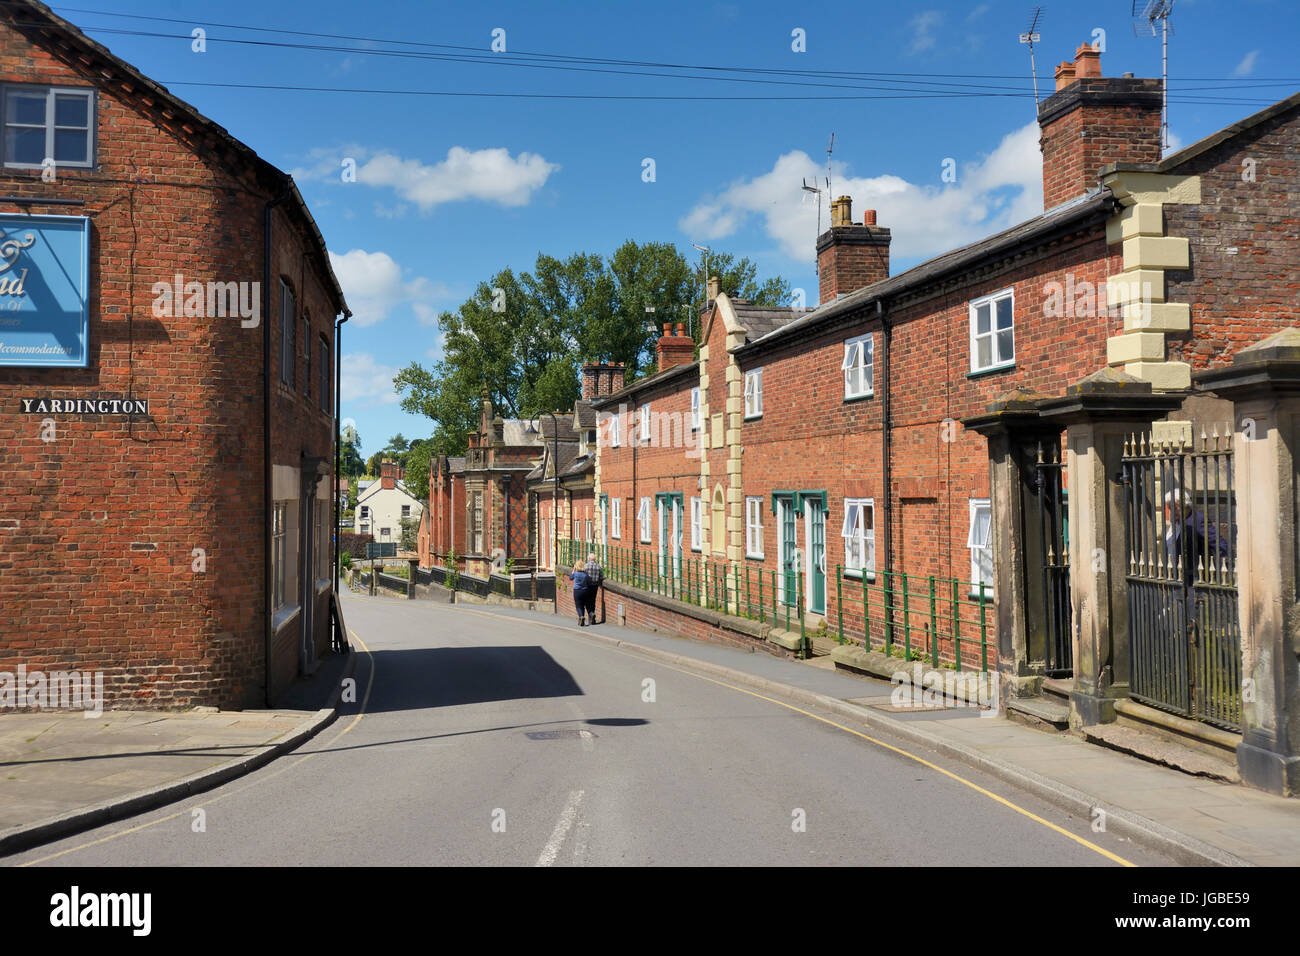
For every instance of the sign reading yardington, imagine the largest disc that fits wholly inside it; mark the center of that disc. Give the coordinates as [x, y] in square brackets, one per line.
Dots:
[84, 406]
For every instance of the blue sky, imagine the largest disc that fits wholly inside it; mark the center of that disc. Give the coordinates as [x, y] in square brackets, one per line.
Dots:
[450, 189]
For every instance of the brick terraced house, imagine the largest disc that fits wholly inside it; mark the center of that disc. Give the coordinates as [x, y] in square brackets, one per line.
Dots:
[170, 322]
[841, 463]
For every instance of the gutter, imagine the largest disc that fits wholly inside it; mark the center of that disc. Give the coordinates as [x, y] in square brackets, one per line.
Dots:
[269, 545]
[338, 448]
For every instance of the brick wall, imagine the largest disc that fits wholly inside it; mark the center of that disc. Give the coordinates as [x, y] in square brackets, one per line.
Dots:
[1250, 189]
[98, 528]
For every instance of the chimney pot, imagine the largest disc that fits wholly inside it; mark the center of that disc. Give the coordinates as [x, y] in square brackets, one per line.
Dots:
[842, 212]
[715, 286]
[868, 217]
[668, 328]
[681, 328]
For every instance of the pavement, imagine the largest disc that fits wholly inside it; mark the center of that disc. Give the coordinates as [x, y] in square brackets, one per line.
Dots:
[63, 772]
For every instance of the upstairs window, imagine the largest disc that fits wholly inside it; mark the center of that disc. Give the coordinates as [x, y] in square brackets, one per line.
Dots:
[992, 331]
[859, 367]
[754, 393]
[48, 122]
[859, 533]
[645, 424]
[696, 421]
[697, 524]
[614, 421]
[616, 518]
[288, 309]
[326, 392]
[980, 542]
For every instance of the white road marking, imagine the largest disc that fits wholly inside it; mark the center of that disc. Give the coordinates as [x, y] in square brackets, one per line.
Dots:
[562, 827]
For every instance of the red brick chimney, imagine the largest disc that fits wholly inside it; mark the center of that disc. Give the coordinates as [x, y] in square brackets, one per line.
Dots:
[387, 473]
[1091, 121]
[674, 349]
[850, 255]
[603, 379]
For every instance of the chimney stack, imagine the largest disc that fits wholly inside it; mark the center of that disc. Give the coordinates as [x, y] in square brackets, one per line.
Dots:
[599, 380]
[715, 286]
[851, 255]
[387, 473]
[674, 348]
[1092, 121]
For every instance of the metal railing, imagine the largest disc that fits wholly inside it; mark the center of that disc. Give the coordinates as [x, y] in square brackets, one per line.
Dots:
[915, 616]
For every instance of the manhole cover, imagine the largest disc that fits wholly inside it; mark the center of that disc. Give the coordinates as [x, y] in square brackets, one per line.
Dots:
[558, 734]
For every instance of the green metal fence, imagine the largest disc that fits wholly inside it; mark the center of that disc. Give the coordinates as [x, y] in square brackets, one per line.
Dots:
[917, 617]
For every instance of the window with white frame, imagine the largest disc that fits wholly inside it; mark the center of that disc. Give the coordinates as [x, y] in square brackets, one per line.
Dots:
[696, 421]
[980, 542]
[643, 518]
[859, 533]
[859, 367]
[697, 524]
[48, 122]
[992, 331]
[645, 424]
[753, 527]
[615, 422]
[616, 518]
[754, 393]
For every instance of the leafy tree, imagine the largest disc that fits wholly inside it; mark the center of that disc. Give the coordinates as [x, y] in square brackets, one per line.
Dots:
[523, 337]
[350, 462]
[417, 469]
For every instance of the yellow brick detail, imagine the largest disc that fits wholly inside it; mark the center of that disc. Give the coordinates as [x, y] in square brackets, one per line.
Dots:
[1135, 347]
[1151, 252]
[1162, 375]
[1139, 285]
[1157, 317]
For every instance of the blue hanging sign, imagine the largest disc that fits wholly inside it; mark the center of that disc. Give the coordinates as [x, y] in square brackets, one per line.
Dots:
[44, 304]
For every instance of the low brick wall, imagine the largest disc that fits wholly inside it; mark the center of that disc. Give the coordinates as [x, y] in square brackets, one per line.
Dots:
[653, 612]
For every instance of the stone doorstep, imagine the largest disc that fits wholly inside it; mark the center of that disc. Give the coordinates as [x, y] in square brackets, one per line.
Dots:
[1041, 713]
[1158, 748]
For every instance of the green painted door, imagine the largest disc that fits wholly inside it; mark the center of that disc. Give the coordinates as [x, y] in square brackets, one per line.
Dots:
[789, 578]
[816, 558]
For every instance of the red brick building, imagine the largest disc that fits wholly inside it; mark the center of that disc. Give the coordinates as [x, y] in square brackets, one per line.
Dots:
[834, 438]
[445, 513]
[198, 341]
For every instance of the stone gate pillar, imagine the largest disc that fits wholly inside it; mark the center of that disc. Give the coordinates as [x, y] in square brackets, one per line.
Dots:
[1015, 429]
[1264, 383]
[1099, 412]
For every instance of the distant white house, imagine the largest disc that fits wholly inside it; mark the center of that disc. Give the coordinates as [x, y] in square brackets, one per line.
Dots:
[384, 503]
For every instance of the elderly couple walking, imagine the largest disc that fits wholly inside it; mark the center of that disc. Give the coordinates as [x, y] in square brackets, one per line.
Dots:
[587, 580]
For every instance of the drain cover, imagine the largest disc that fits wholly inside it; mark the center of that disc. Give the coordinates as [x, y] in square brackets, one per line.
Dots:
[558, 734]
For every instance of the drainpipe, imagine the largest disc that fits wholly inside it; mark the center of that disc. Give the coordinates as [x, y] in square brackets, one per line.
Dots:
[885, 469]
[342, 639]
[268, 585]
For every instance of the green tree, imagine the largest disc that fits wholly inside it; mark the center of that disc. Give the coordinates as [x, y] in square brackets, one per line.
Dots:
[350, 461]
[522, 338]
[417, 469]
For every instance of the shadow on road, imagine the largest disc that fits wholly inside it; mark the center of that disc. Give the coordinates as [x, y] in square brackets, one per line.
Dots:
[450, 676]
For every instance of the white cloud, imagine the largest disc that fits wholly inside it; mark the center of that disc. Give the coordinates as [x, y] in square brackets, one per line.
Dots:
[978, 12]
[1247, 64]
[991, 193]
[373, 285]
[364, 382]
[923, 26]
[1175, 143]
[489, 175]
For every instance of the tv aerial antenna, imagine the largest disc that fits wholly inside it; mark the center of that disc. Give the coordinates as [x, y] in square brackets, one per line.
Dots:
[1152, 11]
[1031, 36]
[817, 192]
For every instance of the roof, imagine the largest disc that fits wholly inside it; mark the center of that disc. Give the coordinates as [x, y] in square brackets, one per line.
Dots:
[759, 320]
[644, 384]
[581, 465]
[173, 114]
[456, 465]
[377, 486]
[584, 413]
[568, 453]
[1097, 205]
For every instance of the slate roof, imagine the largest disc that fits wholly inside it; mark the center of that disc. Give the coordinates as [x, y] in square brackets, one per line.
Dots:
[585, 413]
[758, 320]
[1097, 205]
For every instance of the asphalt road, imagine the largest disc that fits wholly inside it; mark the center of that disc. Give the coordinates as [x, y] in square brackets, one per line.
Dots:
[482, 738]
